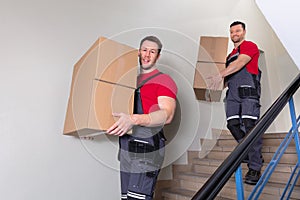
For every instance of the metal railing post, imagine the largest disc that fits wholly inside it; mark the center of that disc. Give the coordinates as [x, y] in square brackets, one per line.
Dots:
[294, 126]
[296, 172]
[239, 183]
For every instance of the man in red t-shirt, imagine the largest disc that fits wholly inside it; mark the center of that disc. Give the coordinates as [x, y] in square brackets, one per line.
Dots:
[242, 76]
[141, 153]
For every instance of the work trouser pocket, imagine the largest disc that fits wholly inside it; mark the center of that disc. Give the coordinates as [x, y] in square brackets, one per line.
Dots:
[146, 153]
[246, 91]
[141, 150]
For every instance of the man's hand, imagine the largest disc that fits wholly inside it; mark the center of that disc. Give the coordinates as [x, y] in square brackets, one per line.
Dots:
[214, 82]
[122, 126]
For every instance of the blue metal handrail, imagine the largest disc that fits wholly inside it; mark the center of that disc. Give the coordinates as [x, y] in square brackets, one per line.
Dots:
[257, 190]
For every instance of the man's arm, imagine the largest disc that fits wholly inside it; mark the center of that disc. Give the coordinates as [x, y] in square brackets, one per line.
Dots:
[160, 117]
[236, 65]
[233, 67]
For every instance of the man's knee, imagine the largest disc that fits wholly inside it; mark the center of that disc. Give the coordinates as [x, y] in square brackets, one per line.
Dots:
[233, 123]
[235, 128]
[249, 124]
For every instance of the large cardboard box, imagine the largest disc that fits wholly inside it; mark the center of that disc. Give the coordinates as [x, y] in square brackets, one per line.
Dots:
[103, 82]
[213, 49]
[202, 82]
[211, 59]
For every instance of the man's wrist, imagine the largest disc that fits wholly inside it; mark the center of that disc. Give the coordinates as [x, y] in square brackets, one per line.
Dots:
[140, 119]
[222, 75]
[133, 118]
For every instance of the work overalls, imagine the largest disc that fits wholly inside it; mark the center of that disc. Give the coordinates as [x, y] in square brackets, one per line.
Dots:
[243, 108]
[141, 156]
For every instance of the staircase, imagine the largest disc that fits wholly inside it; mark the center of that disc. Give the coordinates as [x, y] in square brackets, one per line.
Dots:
[188, 179]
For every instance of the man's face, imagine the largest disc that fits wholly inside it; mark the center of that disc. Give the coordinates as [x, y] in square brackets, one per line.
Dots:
[148, 54]
[237, 33]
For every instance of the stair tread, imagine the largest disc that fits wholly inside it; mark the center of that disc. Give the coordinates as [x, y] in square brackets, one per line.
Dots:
[217, 162]
[265, 149]
[195, 177]
[226, 134]
[179, 191]
[182, 191]
[188, 193]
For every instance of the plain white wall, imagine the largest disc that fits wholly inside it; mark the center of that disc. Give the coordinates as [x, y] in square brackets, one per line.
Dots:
[282, 15]
[40, 43]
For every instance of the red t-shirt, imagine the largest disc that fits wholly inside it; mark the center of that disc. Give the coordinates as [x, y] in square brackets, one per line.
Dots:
[161, 85]
[250, 49]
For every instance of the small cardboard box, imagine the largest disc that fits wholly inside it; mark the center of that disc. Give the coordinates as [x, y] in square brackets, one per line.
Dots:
[103, 82]
[90, 107]
[202, 82]
[213, 49]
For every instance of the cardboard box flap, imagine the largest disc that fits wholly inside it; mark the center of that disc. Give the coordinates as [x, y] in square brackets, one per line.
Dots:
[116, 60]
[110, 60]
[213, 49]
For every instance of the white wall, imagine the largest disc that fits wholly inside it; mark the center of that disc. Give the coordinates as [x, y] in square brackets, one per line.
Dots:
[41, 41]
[283, 17]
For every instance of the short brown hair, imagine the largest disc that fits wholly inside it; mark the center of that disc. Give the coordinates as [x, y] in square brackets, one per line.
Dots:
[238, 23]
[152, 39]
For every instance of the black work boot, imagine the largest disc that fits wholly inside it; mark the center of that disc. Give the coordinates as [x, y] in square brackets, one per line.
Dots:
[252, 177]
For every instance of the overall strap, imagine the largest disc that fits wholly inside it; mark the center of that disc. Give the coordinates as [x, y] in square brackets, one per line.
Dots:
[147, 79]
[138, 108]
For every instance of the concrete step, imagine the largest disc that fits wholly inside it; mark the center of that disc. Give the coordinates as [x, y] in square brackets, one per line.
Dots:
[183, 194]
[177, 194]
[210, 165]
[287, 158]
[225, 134]
[230, 142]
[265, 149]
[271, 139]
[217, 152]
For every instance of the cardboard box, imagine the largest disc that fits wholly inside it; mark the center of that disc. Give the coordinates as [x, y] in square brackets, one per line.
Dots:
[213, 49]
[109, 61]
[90, 107]
[202, 82]
[103, 82]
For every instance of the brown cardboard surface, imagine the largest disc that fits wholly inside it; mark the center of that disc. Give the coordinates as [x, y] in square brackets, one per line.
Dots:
[91, 106]
[213, 49]
[208, 95]
[103, 82]
[109, 60]
[201, 81]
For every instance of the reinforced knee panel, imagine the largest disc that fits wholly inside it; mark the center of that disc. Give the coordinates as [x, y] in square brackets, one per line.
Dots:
[249, 124]
[234, 126]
